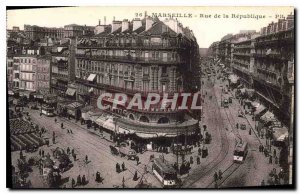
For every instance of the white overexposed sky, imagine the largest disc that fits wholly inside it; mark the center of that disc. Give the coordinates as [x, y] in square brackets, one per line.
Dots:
[206, 30]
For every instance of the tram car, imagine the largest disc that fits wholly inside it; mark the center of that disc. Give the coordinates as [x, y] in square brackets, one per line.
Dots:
[48, 110]
[165, 173]
[240, 152]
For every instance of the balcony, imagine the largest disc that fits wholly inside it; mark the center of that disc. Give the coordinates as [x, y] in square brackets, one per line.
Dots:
[242, 54]
[170, 128]
[119, 89]
[272, 55]
[129, 59]
[142, 46]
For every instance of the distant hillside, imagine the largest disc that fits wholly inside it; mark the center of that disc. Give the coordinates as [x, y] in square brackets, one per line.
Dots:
[203, 52]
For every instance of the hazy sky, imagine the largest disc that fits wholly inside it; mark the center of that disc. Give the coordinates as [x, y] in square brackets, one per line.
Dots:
[206, 30]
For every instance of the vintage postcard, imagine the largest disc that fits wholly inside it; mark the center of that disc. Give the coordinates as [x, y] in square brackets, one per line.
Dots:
[150, 97]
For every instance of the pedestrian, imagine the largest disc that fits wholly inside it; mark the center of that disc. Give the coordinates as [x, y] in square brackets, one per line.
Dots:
[74, 157]
[78, 180]
[83, 180]
[175, 166]
[97, 177]
[274, 152]
[86, 158]
[191, 160]
[198, 160]
[43, 153]
[220, 174]
[237, 125]
[68, 131]
[123, 166]
[71, 131]
[266, 152]
[62, 125]
[55, 120]
[199, 151]
[137, 160]
[117, 168]
[40, 152]
[73, 183]
[135, 177]
[270, 160]
[145, 169]
[216, 176]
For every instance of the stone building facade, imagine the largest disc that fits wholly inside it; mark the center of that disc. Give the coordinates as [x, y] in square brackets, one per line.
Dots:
[139, 56]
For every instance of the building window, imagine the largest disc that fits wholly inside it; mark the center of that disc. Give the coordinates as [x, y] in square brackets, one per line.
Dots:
[144, 119]
[131, 117]
[163, 120]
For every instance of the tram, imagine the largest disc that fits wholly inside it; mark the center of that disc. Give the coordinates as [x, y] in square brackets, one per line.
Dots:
[48, 110]
[165, 173]
[240, 152]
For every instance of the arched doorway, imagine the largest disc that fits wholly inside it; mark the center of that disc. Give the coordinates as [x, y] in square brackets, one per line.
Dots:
[131, 117]
[163, 120]
[144, 119]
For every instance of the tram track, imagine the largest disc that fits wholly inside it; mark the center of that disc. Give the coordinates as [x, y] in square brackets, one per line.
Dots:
[253, 130]
[202, 172]
[225, 175]
[89, 144]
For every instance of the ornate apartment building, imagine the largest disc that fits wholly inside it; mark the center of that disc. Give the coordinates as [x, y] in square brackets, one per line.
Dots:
[243, 59]
[62, 67]
[139, 56]
[74, 30]
[36, 32]
[43, 72]
[274, 56]
[263, 62]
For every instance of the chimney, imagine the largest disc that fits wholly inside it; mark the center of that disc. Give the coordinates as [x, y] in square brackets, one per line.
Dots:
[137, 23]
[99, 23]
[116, 25]
[104, 20]
[149, 23]
[114, 18]
[125, 25]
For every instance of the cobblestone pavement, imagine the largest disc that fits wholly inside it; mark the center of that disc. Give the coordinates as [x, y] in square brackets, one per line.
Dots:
[220, 124]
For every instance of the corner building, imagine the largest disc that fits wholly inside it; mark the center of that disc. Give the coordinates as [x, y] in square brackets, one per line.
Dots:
[139, 56]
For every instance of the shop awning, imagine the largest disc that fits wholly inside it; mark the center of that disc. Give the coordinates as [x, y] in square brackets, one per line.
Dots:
[10, 92]
[85, 116]
[280, 133]
[250, 92]
[259, 109]
[268, 116]
[38, 96]
[109, 124]
[70, 91]
[100, 120]
[74, 105]
[124, 131]
[243, 90]
[91, 77]
[147, 135]
[91, 89]
[255, 104]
